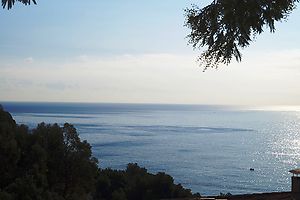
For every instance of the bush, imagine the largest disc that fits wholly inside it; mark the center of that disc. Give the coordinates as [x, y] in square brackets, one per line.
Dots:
[49, 162]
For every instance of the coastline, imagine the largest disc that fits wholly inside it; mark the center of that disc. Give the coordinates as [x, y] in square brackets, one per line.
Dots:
[254, 196]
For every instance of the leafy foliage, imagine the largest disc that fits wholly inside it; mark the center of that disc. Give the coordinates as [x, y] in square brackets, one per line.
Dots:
[226, 26]
[9, 3]
[135, 183]
[50, 162]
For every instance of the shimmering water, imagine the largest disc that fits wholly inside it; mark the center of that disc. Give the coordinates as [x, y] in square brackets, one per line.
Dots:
[209, 149]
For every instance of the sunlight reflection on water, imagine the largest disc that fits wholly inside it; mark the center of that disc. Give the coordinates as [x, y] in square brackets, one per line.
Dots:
[286, 145]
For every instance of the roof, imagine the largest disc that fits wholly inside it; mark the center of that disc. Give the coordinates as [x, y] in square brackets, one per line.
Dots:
[259, 196]
[295, 171]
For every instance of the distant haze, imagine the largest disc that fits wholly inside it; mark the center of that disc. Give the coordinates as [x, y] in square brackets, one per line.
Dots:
[136, 52]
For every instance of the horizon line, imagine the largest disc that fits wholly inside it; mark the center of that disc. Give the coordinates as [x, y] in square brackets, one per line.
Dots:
[244, 107]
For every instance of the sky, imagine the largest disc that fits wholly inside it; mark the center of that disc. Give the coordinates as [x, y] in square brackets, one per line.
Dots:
[136, 52]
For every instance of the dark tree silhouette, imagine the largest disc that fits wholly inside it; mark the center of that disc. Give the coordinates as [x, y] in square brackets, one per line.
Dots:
[135, 183]
[49, 162]
[226, 26]
[9, 3]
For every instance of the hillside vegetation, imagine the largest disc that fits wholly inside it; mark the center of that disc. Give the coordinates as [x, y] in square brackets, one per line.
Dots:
[51, 162]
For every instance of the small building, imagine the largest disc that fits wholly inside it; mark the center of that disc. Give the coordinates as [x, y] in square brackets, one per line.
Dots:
[295, 180]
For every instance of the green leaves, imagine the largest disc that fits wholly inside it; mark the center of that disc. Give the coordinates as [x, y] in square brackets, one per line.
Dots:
[49, 162]
[135, 183]
[226, 26]
[9, 3]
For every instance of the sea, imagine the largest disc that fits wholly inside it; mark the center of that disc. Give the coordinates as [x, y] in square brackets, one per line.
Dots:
[209, 149]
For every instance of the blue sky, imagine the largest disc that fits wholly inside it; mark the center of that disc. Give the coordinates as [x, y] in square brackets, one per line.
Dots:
[135, 51]
[99, 27]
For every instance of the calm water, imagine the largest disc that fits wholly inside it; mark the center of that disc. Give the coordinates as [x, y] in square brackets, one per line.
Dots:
[206, 148]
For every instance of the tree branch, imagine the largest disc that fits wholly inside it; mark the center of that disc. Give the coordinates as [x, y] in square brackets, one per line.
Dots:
[226, 26]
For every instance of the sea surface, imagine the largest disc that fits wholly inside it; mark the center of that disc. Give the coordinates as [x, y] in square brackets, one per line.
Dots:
[209, 149]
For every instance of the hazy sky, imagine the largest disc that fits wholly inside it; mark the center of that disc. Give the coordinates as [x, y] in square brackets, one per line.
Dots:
[136, 51]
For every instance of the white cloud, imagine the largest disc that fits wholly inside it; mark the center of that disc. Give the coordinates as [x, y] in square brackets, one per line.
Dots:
[261, 79]
[29, 60]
